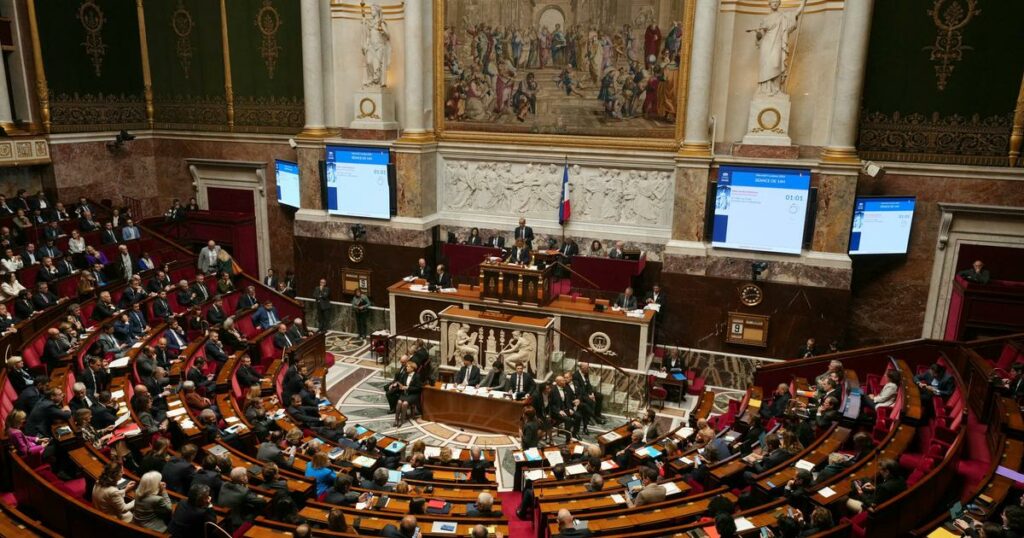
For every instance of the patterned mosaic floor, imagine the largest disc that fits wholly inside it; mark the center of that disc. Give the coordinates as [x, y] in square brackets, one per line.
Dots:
[356, 385]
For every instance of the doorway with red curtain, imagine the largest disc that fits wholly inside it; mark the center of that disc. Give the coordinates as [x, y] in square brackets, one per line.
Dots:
[242, 243]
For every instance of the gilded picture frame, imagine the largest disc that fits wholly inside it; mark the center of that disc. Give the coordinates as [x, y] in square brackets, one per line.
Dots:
[454, 131]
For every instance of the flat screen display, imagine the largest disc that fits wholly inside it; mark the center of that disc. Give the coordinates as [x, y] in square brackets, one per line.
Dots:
[357, 182]
[760, 209]
[881, 225]
[286, 175]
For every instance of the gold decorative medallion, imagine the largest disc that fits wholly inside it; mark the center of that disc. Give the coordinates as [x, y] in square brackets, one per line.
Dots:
[751, 294]
[181, 23]
[769, 119]
[368, 109]
[268, 21]
[92, 19]
[950, 17]
[356, 253]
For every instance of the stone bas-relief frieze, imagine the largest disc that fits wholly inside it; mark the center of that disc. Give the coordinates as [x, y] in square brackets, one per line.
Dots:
[598, 195]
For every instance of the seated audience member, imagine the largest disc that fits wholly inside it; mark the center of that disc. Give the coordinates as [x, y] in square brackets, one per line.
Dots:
[520, 383]
[379, 481]
[152, 504]
[618, 251]
[519, 254]
[191, 515]
[249, 300]
[320, 471]
[828, 414]
[567, 526]
[779, 403]
[484, 507]
[270, 450]
[307, 415]
[231, 336]
[46, 411]
[626, 300]
[808, 350]
[108, 498]
[342, 493]
[886, 485]
[469, 374]
[156, 458]
[209, 475]
[242, 503]
[29, 446]
[886, 397]
[934, 382]
[418, 471]
[266, 316]
[976, 273]
[837, 463]
[406, 528]
[834, 367]
[246, 375]
[649, 491]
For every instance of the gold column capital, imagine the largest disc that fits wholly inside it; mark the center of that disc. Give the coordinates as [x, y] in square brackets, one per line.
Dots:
[840, 156]
[695, 150]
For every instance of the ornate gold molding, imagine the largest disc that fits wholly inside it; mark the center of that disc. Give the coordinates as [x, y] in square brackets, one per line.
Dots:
[949, 41]
[695, 149]
[147, 78]
[229, 92]
[268, 22]
[182, 25]
[93, 20]
[840, 156]
[1017, 135]
[934, 138]
[42, 89]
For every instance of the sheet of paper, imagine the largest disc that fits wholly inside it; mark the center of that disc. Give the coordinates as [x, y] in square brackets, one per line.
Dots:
[671, 488]
[119, 363]
[456, 453]
[117, 394]
[804, 464]
[826, 492]
[618, 499]
[577, 449]
[432, 452]
[608, 465]
[610, 436]
[444, 527]
[535, 474]
[175, 412]
[743, 524]
[554, 457]
[575, 469]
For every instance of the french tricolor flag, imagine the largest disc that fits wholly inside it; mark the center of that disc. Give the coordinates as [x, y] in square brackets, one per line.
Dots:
[564, 210]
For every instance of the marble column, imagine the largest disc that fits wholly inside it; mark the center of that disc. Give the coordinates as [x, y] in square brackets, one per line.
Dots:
[412, 116]
[308, 154]
[850, 68]
[327, 58]
[837, 190]
[312, 68]
[690, 199]
[696, 142]
[6, 117]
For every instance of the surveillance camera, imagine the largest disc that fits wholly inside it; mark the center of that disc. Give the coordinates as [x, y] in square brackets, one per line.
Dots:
[756, 268]
[873, 170]
[293, 143]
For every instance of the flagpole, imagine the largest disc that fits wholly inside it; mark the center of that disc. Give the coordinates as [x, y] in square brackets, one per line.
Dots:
[562, 201]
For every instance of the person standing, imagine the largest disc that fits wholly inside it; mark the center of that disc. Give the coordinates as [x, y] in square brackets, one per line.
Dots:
[322, 298]
[525, 233]
[361, 306]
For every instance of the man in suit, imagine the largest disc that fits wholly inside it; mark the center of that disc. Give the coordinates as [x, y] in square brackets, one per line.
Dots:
[626, 300]
[519, 254]
[567, 526]
[298, 332]
[565, 254]
[49, 247]
[199, 379]
[104, 308]
[617, 252]
[108, 236]
[270, 450]
[520, 384]
[54, 348]
[17, 374]
[178, 472]
[484, 507]
[418, 471]
[162, 355]
[266, 316]
[207, 262]
[123, 263]
[95, 377]
[590, 398]
[65, 267]
[161, 308]
[649, 492]
[934, 382]
[270, 280]
[47, 411]
[808, 350]
[215, 349]
[496, 241]
[308, 415]
[199, 289]
[159, 282]
[48, 271]
[175, 335]
[391, 391]
[86, 223]
[32, 394]
[778, 405]
[215, 314]
[886, 485]
[977, 273]
[406, 529]
[423, 270]
[30, 256]
[361, 310]
[246, 375]
[44, 298]
[243, 505]
[322, 300]
[130, 232]
[563, 406]
[442, 279]
[133, 294]
[523, 233]
[5, 208]
[469, 374]
[775, 454]
[80, 400]
[60, 213]
[248, 300]
[655, 296]
[281, 339]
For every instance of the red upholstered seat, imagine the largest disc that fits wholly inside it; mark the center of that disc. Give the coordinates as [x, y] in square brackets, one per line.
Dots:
[655, 391]
[857, 523]
[696, 387]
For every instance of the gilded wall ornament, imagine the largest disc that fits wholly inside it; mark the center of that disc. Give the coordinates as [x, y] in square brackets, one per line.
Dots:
[950, 17]
[182, 24]
[268, 21]
[92, 19]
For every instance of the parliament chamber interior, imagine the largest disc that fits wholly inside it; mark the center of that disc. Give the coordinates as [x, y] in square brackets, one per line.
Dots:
[511, 268]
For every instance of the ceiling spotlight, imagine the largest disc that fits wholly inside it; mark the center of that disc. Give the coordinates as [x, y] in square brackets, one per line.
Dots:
[873, 170]
[358, 232]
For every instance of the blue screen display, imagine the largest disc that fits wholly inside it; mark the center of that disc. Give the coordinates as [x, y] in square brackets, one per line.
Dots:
[761, 209]
[357, 182]
[286, 175]
[881, 225]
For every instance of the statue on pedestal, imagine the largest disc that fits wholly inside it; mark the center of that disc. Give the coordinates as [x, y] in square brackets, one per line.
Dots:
[376, 48]
[772, 38]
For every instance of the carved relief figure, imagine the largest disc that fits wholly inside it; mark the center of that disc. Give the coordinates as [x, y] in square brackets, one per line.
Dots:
[376, 49]
[772, 39]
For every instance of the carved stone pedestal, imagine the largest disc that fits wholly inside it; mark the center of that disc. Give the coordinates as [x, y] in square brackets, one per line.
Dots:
[768, 124]
[374, 109]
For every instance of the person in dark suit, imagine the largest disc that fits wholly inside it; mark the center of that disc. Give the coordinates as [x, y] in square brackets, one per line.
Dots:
[524, 233]
[161, 308]
[47, 271]
[808, 350]
[469, 374]
[626, 300]
[361, 311]
[406, 529]
[886, 485]
[484, 507]
[655, 296]
[442, 279]
[215, 349]
[520, 254]
[270, 280]
[976, 273]
[32, 394]
[54, 349]
[418, 471]
[775, 455]
[391, 390]
[529, 433]
[247, 375]
[17, 374]
[108, 236]
[281, 339]
[48, 410]
[617, 252]
[322, 300]
[342, 493]
[591, 399]
[520, 384]
[104, 308]
[104, 413]
[496, 241]
[95, 377]
[248, 299]
[837, 463]
[409, 388]
[159, 282]
[474, 237]
[934, 382]
[563, 407]
[24, 308]
[567, 526]
[179, 470]
[306, 414]
[423, 270]
[779, 403]
[242, 503]
[200, 291]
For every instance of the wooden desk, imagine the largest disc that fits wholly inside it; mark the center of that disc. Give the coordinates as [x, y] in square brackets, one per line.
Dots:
[476, 412]
[507, 282]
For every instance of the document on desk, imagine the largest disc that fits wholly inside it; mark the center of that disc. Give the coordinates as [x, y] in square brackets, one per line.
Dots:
[432, 451]
[535, 474]
[532, 454]
[826, 492]
[575, 469]
[743, 524]
[804, 464]
[618, 499]
[444, 527]
[554, 457]
[671, 488]
[610, 436]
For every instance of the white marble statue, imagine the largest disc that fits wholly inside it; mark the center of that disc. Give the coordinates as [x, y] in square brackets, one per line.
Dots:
[522, 348]
[772, 38]
[466, 343]
[376, 48]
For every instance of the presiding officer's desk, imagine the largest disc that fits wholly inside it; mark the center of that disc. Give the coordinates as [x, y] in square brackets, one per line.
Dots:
[479, 412]
[625, 336]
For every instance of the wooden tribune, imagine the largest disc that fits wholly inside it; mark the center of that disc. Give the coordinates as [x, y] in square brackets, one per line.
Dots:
[471, 411]
[506, 282]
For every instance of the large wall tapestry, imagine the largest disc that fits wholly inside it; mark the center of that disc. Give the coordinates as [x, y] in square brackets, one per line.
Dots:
[93, 64]
[942, 82]
[610, 68]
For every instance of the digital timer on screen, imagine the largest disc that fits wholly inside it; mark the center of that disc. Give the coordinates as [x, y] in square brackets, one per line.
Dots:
[881, 225]
[761, 209]
[357, 182]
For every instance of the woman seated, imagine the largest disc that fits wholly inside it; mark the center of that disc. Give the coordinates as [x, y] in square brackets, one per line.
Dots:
[76, 243]
[152, 504]
[10, 288]
[108, 498]
[409, 389]
[319, 469]
[27, 446]
[93, 256]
